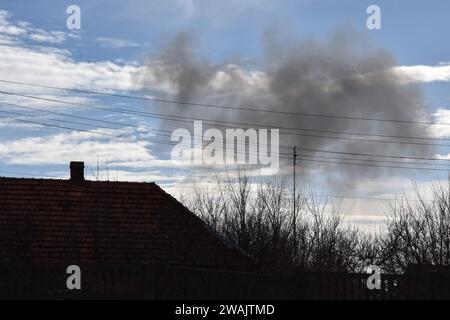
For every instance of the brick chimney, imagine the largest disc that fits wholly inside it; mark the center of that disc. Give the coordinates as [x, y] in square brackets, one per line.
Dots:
[76, 171]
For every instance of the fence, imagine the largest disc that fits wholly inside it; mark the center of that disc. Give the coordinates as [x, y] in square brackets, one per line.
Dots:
[141, 281]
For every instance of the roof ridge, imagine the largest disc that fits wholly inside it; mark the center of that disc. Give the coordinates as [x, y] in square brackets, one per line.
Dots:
[69, 181]
[221, 239]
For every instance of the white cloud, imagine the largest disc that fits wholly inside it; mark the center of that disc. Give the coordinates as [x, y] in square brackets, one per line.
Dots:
[40, 35]
[230, 78]
[111, 155]
[442, 128]
[7, 28]
[53, 67]
[114, 174]
[64, 147]
[422, 73]
[7, 40]
[25, 30]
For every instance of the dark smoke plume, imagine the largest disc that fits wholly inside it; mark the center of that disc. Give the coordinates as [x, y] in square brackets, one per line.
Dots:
[344, 75]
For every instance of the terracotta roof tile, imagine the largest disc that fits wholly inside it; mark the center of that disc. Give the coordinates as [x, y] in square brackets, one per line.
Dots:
[59, 220]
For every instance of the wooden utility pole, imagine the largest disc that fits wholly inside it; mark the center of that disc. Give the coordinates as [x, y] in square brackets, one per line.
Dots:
[448, 187]
[294, 217]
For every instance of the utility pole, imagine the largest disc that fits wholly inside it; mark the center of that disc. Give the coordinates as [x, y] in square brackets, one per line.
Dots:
[294, 217]
[448, 187]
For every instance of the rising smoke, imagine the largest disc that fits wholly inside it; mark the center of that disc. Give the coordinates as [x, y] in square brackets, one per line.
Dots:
[343, 75]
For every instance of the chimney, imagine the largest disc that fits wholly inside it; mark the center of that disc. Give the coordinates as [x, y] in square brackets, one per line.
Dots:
[77, 171]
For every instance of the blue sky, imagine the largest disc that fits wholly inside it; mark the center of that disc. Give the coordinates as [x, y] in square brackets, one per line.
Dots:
[413, 30]
[117, 37]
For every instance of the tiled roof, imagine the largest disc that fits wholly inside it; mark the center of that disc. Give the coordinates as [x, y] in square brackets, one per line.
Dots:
[44, 220]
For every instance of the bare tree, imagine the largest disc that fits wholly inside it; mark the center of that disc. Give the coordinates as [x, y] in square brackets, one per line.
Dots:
[258, 221]
[418, 231]
[330, 245]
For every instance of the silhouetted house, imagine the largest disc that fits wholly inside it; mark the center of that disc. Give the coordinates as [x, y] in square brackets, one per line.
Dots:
[78, 221]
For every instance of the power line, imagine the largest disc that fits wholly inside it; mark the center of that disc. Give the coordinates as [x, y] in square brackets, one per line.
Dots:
[237, 123]
[105, 134]
[72, 116]
[95, 132]
[306, 155]
[172, 143]
[168, 131]
[375, 155]
[196, 104]
[378, 161]
[182, 119]
[84, 130]
[58, 120]
[375, 165]
[169, 143]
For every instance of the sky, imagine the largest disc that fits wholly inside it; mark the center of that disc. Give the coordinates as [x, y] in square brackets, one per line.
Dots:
[126, 47]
